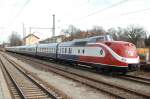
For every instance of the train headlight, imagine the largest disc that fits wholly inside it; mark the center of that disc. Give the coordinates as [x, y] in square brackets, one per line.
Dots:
[131, 52]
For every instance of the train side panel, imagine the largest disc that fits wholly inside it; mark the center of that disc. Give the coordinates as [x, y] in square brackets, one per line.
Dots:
[47, 50]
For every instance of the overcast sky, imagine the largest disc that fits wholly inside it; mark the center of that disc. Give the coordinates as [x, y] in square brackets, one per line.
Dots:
[84, 14]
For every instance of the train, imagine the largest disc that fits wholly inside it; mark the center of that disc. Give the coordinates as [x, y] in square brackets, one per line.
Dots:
[100, 52]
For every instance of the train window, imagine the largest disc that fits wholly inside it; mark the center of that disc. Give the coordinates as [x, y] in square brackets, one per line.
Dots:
[78, 51]
[81, 43]
[69, 50]
[65, 50]
[83, 51]
[62, 50]
[100, 39]
[48, 50]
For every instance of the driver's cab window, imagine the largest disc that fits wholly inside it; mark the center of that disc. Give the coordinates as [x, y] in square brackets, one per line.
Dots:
[100, 39]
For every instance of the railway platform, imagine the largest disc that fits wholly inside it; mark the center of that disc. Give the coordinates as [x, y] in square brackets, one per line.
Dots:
[4, 92]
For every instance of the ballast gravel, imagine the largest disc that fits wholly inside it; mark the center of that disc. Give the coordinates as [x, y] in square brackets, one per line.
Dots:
[72, 88]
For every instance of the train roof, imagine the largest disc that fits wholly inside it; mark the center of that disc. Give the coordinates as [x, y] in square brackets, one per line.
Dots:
[24, 46]
[47, 45]
[83, 42]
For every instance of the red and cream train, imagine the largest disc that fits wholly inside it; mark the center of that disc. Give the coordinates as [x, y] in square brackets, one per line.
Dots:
[99, 51]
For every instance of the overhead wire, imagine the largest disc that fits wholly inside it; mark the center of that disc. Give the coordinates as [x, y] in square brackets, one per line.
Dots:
[101, 10]
[137, 11]
[22, 8]
[20, 11]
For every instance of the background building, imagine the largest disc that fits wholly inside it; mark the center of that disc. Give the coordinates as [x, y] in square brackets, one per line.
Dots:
[55, 39]
[31, 39]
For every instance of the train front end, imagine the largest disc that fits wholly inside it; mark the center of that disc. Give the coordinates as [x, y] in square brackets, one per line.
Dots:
[124, 54]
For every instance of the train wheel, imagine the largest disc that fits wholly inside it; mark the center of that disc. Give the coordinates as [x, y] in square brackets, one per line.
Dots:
[124, 72]
[105, 70]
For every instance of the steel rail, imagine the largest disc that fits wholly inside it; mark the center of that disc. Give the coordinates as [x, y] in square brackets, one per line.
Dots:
[21, 93]
[14, 82]
[35, 82]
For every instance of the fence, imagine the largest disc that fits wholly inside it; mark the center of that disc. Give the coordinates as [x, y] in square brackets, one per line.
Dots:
[144, 54]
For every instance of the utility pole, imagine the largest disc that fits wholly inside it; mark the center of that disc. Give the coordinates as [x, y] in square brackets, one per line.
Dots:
[24, 33]
[30, 30]
[53, 25]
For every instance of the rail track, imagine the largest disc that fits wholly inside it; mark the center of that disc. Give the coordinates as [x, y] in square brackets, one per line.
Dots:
[22, 85]
[112, 89]
[136, 79]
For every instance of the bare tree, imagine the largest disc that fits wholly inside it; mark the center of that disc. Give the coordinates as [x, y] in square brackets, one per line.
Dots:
[15, 39]
[71, 30]
[113, 33]
[134, 33]
[97, 30]
[147, 41]
[73, 33]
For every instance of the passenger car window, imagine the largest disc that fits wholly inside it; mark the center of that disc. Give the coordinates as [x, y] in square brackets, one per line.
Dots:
[78, 51]
[65, 50]
[83, 51]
